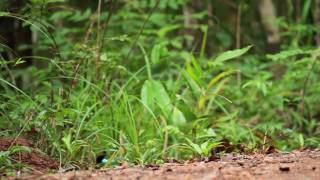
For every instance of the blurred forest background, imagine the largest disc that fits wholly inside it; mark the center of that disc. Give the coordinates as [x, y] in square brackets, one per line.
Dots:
[147, 80]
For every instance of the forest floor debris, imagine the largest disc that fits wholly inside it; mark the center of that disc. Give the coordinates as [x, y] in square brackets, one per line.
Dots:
[295, 165]
[31, 157]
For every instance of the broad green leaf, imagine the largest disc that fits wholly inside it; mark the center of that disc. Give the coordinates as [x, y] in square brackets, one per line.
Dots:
[60, 15]
[67, 142]
[166, 29]
[284, 55]
[229, 55]
[204, 146]
[193, 73]
[147, 96]
[306, 10]
[301, 140]
[262, 86]
[196, 89]
[4, 13]
[197, 66]
[155, 54]
[214, 80]
[157, 51]
[154, 94]
[194, 69]
[210, 95]
[195, 147]
[178, 118]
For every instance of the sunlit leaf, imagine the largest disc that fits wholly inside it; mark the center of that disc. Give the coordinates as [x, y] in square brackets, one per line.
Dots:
[154, 94]
[178, 117]
[286, 54]
[229, 55]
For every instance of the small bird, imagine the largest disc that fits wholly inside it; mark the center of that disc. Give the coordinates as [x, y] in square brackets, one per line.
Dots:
[104, 161]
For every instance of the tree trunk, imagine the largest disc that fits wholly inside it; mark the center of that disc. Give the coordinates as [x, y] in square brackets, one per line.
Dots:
[268, 18]
[14, 35]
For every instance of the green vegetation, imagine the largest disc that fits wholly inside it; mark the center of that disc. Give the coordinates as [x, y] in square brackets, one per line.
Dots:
[148, 80]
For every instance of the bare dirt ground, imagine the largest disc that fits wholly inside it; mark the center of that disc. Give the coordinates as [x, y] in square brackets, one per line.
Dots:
[296, 165]
[37, 160]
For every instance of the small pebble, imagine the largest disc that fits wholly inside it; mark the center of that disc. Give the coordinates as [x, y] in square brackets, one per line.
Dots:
[169, 170]
[284, 168]
[241, 163]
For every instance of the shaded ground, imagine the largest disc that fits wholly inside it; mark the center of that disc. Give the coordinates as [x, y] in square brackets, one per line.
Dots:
[295, 165]
[30, 156]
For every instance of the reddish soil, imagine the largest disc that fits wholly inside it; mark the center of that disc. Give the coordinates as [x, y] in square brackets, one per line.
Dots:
[296, 165]
[34, 159]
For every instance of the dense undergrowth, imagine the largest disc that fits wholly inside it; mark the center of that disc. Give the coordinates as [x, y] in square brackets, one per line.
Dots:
[134, 84]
